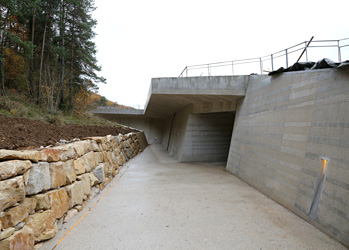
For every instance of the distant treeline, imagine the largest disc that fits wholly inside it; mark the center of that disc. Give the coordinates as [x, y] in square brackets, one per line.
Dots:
[47, 51]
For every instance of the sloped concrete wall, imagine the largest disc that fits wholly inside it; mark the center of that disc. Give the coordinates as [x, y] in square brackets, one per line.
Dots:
[177, 132]
[167, 130]
[284, 128]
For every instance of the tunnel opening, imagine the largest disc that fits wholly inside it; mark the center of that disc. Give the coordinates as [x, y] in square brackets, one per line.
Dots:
[201, 137]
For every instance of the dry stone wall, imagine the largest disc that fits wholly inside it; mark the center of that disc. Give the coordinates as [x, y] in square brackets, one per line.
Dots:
[42, 189]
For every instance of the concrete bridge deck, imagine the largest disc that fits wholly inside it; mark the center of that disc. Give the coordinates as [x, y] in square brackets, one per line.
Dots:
[160, 203]
[169, 95]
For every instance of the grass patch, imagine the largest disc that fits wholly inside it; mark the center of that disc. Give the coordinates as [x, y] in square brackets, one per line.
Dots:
[17, 105]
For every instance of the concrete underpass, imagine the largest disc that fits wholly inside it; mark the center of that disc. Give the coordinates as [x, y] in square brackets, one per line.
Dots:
[273, 132]
[192, 118]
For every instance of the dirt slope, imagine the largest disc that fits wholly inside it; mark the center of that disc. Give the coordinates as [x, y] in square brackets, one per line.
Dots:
[21, 133]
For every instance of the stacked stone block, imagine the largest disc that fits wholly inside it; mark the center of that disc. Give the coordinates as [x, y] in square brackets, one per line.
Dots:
[42, 189]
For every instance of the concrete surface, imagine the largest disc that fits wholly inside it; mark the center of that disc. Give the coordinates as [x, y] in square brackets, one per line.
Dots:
[283, 128]
[160, 203]
[152, 127]
[196, 95]
[219, 93]
[198, 137]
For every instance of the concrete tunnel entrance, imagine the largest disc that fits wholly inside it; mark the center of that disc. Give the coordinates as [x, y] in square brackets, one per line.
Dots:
[202, 137]
[192, 117]
[187, 136]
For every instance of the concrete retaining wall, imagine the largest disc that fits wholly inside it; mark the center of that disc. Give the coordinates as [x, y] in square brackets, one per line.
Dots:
[286, 128]
[40, 190]
[207, 137]
[198, 137]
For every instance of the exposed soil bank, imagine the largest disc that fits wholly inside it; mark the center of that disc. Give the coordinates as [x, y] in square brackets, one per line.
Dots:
[22, 133]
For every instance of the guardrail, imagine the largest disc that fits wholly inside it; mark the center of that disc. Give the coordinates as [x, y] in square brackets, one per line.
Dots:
[117, 110]
[268, 63]
[139, 106]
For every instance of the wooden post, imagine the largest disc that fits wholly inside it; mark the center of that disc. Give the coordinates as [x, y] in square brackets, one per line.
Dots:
[311, 39]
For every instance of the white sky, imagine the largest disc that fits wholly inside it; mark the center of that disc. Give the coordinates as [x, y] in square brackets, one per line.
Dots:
[142, 39]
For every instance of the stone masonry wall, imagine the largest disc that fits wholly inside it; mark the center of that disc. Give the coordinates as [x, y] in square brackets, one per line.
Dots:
[41, 189]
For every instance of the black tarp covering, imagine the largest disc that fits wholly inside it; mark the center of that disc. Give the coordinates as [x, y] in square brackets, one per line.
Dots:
[322, 64]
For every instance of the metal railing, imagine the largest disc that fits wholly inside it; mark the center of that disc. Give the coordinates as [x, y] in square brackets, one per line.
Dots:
[122, 107]
[273, 61]
[117, 110]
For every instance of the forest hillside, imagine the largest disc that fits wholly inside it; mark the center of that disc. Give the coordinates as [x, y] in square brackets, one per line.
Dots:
[48, 53]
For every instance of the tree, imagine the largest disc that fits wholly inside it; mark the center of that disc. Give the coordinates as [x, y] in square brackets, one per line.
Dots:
[2, 41]
[4, 18]
[33, 91]
[55, 40]
[102, 101]
[14, 40]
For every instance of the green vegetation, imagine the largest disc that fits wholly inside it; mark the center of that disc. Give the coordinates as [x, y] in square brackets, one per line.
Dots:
[102, 101]
[16, 105]
[48, 55]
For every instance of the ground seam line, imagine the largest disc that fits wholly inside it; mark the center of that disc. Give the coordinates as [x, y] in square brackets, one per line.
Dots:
[90, 209]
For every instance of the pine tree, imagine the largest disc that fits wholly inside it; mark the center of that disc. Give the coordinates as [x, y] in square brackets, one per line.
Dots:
[55, 41]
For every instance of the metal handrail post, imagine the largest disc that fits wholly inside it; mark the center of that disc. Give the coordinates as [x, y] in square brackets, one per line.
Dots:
[261, 65]
[232, 66]
[306, 50]
[286, 58]
[272, 62]
[208, 69]
[339, 52]
[186, 71]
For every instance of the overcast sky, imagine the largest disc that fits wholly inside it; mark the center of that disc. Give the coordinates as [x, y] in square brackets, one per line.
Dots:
[142, 39]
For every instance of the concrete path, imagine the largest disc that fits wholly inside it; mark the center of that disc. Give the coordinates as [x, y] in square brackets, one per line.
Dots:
[162, 204]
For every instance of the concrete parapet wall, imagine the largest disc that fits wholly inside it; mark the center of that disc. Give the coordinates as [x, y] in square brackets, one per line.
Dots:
[213, 85]
[42, 189]
[286, 128]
